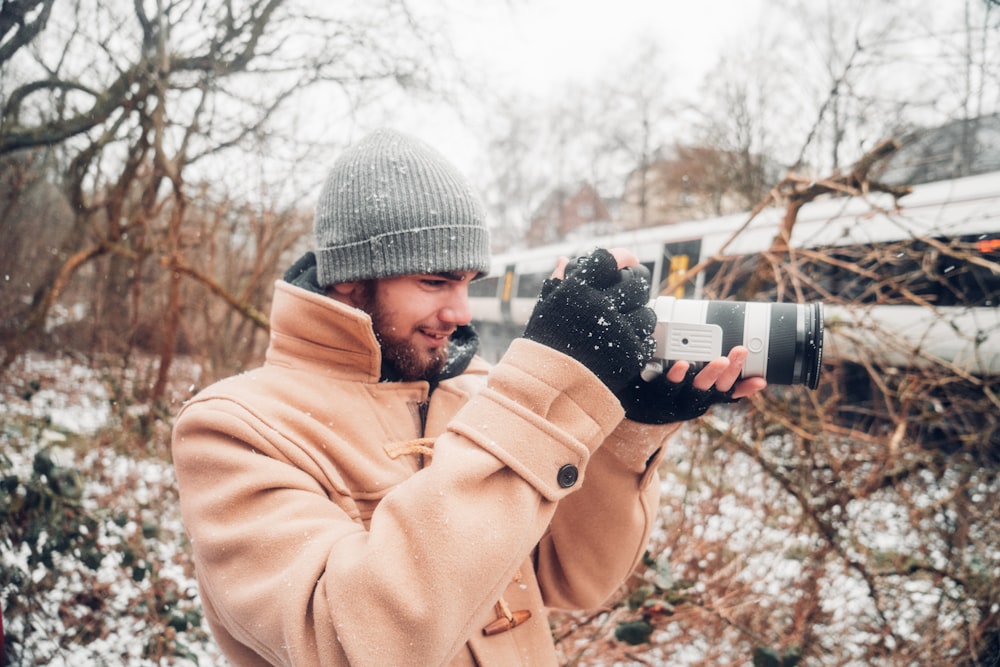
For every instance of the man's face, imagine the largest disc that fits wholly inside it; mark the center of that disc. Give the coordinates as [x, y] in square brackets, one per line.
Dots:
[414, 315]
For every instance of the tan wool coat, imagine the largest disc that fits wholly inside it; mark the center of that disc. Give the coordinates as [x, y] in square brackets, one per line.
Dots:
[339, 520]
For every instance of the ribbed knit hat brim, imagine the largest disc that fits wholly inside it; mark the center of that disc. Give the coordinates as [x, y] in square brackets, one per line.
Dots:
[392, 205]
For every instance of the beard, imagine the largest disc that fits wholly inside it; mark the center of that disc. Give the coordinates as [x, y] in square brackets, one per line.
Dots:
[403, 361]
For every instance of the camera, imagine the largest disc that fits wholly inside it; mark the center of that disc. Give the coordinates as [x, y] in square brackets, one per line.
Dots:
[785, 339]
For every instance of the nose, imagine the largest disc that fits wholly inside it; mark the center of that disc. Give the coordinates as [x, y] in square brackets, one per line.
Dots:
[456, 310]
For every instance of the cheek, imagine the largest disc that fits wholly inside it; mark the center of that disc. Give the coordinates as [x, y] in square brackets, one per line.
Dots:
[420, 308]
[405, 318]
[407, 307]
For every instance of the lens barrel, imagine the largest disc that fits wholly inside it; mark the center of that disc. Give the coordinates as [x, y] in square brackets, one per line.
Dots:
[785, 340]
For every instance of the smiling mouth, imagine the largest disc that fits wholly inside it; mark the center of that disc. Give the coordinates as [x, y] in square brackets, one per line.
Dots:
[439, 337]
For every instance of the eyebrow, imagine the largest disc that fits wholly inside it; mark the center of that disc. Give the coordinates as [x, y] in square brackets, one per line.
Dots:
[457, 276]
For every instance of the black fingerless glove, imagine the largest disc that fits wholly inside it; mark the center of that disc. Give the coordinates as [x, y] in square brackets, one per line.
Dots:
[598, 315]
[661, 401]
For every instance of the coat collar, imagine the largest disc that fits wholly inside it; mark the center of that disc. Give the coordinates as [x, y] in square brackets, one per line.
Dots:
[323, 335]
[311, 329]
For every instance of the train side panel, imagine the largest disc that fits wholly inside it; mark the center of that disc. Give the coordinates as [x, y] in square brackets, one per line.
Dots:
[938, 325]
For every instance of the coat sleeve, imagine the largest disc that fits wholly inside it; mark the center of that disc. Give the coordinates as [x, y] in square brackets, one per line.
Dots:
[598, 534]
[293, 576]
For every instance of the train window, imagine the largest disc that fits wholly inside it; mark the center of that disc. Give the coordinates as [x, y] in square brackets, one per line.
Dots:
[968, 270]
[484, 287]
[728, 277]
[649, 266]
[530, 284]
[940, 272]
[868, 273]
[988, 273]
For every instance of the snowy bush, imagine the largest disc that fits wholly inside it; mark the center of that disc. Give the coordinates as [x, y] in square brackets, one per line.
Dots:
[93, 566]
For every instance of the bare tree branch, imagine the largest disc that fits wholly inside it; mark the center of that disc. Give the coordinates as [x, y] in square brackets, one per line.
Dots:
[249, 311]
[14, 16]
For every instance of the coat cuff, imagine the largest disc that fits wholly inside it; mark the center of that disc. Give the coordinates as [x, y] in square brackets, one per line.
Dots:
[639, 447]
[542, 414]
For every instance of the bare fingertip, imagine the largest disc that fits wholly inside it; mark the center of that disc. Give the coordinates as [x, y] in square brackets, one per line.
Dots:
[560, 270]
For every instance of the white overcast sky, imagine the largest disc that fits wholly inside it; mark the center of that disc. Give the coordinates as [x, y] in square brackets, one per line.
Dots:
[537, 45]
[540, 42]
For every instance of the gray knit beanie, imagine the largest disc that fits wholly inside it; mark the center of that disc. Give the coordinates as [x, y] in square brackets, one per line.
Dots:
[392, 205]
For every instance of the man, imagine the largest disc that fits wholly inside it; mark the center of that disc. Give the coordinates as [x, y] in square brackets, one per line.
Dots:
[375, 494]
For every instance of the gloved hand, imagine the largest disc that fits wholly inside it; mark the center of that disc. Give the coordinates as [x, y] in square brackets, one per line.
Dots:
[597, 314]
[660, 401]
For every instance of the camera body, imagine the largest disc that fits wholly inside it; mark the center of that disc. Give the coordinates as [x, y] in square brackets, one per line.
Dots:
[785, 340]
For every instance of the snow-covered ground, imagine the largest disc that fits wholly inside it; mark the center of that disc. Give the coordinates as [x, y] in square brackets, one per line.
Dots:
[135, 602]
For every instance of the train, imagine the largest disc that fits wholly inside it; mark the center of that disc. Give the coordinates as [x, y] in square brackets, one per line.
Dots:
[904, 282]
